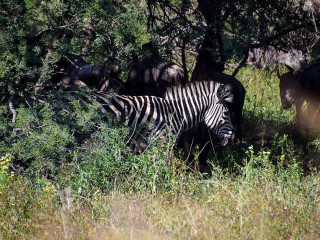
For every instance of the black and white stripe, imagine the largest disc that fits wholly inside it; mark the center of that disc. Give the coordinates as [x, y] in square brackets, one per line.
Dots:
[181, 108]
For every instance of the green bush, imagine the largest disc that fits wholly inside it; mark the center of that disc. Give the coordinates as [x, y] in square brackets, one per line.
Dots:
[106, 163]
[44, 135]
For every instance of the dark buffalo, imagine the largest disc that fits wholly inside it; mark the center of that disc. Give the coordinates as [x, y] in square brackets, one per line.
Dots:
[296, 88]
[207, 69]
[152, 76]
[81, 73]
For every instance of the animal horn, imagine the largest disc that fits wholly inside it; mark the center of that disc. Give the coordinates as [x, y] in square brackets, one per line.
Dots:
[290, 68]
[198, 47]
[224, 95]
[278, 73]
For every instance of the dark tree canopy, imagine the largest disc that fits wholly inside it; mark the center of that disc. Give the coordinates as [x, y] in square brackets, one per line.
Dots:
[229, 27]
[36, 35]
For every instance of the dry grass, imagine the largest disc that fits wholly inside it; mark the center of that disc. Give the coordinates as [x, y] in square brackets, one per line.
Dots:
[236, 211]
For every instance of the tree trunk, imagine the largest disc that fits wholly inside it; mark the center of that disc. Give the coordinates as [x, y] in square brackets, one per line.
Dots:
[211, 10]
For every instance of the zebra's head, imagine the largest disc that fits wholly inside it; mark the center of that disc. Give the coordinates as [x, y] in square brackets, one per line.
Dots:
[217, 116]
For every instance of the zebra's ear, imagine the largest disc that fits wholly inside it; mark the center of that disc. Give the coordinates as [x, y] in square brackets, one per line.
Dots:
[224, 95]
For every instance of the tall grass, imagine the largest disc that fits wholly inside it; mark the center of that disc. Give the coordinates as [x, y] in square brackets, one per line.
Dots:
[263, 112]
[69, 175]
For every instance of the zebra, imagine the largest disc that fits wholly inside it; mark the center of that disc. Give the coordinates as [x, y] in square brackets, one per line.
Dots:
[181, 108]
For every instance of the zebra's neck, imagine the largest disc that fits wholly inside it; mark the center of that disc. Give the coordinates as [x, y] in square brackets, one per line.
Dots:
[190, 103]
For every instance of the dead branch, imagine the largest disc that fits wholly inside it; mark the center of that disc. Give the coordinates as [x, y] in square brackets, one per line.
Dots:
[71, 62]
[11, 104]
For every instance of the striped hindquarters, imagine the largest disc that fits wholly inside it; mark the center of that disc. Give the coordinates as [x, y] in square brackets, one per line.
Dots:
[137, 110]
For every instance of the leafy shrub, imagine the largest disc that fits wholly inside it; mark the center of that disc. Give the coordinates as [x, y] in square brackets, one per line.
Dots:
[106, 163]
[45, 135]
[5, 175]
[102, 161]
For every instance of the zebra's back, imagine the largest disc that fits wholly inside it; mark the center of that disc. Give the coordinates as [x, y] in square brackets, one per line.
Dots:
[137, 110]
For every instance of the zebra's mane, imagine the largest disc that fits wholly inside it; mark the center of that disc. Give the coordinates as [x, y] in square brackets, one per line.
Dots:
[172, 93]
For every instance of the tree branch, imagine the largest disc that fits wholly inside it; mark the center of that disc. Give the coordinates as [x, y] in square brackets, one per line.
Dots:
[34, 38]
[11, 104]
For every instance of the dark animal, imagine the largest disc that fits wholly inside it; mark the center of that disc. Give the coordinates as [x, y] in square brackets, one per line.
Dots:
[83, 74]
[81, 71]
[296, 88]
[207, 69]
[182, 108]
[152, 76]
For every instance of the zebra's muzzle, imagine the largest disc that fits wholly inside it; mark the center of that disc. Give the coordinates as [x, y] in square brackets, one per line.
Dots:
[227, 140]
